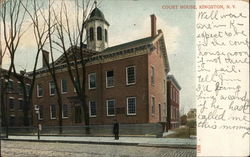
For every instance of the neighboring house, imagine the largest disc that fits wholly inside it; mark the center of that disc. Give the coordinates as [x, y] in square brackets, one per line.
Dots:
[13, 99]
[191, 115]
[127, 82]
[173, 99]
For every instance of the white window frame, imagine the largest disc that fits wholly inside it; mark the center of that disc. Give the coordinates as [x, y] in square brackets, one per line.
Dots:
[63, 116]
[51, 111]
[107, 101]
[63, 92]
[50, 88]
[127, 75]
[107, 86]
[90, 115]
[89, 80]
[39, 115]
[131, 114]
[37, 90]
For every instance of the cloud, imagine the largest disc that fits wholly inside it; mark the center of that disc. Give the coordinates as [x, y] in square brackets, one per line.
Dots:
[142, 29]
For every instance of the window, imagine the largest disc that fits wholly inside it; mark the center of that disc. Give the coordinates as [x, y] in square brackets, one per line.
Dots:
[40, 115]
[10, 86]
[20, 104]
[177, 115]
[28, 88]
[52, 87]
[176, 96]
[110, 79]
[106, 35]
[131, 106]
[64, 87]
[39, 90]
[164, 86]
[92, 81]
[20, 88]
[65, 111]
[153, 105]
[130, 75]
[92, 109]
[171, 92]
[152, 75]
[11, 104]
[111, 107]
[91, 34]
[99, 33]
[53, 111]
[172, 112]
[76, 84]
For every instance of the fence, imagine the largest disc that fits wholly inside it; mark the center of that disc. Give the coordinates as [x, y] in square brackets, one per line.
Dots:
[153, 129]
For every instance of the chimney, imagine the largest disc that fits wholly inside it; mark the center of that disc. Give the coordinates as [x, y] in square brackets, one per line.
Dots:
[153, 25]
[45, 58]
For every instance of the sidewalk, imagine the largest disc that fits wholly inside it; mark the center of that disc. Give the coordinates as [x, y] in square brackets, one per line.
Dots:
[136, 141]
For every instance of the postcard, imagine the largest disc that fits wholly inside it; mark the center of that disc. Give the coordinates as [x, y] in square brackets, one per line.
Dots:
[124, 78]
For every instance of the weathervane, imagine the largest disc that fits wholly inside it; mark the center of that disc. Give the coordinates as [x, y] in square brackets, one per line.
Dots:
[95, 3]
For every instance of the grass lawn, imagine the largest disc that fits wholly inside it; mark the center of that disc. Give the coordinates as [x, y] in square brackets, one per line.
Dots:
[182, 133]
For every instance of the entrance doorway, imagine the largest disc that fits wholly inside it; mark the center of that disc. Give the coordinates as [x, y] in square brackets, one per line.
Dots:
[78, 114]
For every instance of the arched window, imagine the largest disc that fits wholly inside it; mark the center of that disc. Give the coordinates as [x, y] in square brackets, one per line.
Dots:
[99, 33]
[91, 34]
[106, 35]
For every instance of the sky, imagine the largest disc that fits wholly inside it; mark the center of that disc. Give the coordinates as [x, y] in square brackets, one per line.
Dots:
[130, 20]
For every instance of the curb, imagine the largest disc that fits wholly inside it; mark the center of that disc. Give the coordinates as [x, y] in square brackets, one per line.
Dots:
[78, 142]
[167, 146]
[108, 143]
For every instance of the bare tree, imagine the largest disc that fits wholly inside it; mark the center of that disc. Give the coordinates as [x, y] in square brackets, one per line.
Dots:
[12, 19]
[43, 31]
[77, 55]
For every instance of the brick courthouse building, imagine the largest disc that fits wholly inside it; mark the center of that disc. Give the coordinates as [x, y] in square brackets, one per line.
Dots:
[127, 82]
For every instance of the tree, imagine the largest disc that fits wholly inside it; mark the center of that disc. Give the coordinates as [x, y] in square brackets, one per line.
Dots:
[43, 27]
[183, 119]
[12, 19]
[77, 56]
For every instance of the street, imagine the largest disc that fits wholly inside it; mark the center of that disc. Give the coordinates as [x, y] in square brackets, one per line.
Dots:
[44, 149]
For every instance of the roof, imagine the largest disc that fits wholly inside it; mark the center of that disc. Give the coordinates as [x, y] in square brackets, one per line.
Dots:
[97, 14]
[129, 44]
[172, 78]
[144, 44]
[21, 74]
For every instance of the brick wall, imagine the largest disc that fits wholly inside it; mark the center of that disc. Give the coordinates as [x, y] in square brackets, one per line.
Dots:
[119, 92]
[173, 105]
[156, 89]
